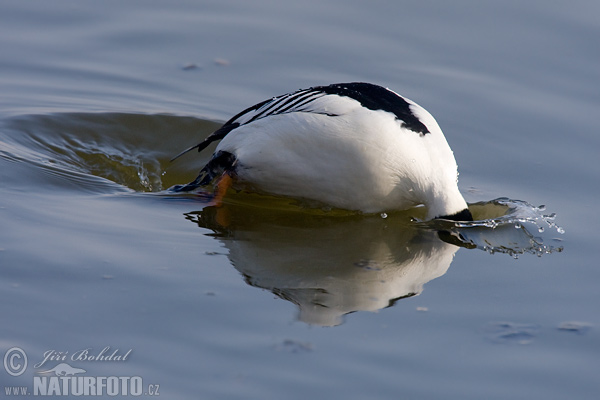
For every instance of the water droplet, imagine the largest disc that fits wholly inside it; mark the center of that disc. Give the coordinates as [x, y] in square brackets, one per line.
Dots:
[383, 215]
[560, 230]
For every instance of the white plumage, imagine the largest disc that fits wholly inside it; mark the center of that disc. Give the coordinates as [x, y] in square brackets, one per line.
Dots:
[354, 146]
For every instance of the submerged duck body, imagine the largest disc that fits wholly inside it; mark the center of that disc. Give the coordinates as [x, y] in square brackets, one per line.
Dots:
[355, 146]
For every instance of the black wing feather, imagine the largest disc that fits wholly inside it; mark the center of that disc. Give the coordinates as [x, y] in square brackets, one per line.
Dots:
[216, 135]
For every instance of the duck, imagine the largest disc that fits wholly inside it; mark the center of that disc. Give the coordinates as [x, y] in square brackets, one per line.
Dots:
[355, 146]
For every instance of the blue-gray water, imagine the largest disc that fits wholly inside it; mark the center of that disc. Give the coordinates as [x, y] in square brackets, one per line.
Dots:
[96, 97]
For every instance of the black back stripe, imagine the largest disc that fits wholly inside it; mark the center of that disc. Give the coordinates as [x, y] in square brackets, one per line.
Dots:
[299, 102]
[315, 96]
[294, 102]
[271, 109]
[287, 102]
[375, 98]
[279, 105]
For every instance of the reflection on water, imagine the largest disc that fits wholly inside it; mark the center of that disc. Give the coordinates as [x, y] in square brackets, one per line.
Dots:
[330, 266]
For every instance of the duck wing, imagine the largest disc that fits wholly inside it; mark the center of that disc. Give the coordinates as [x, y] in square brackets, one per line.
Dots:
[370, 96]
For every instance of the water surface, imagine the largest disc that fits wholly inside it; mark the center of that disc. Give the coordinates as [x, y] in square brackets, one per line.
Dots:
[262, 298]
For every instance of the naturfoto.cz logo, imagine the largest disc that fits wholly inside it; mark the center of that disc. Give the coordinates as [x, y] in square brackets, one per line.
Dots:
[63, 379]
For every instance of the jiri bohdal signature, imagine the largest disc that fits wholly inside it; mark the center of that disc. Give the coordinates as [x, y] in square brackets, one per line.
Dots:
[106, 354]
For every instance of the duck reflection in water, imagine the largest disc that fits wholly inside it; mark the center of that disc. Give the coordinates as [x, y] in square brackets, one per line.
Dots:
[332, 265]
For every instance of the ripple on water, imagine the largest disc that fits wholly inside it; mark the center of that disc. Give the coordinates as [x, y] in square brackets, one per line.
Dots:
[104, 152]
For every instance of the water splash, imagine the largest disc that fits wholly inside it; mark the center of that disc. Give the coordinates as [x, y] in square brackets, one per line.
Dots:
[150, 178]
[141, 174]
[506, 226]
[518, 212]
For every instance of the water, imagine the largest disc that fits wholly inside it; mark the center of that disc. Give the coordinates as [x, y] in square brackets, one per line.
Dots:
[262, 298]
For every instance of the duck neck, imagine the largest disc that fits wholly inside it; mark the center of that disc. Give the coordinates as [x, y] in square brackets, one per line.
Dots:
[448, 204]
